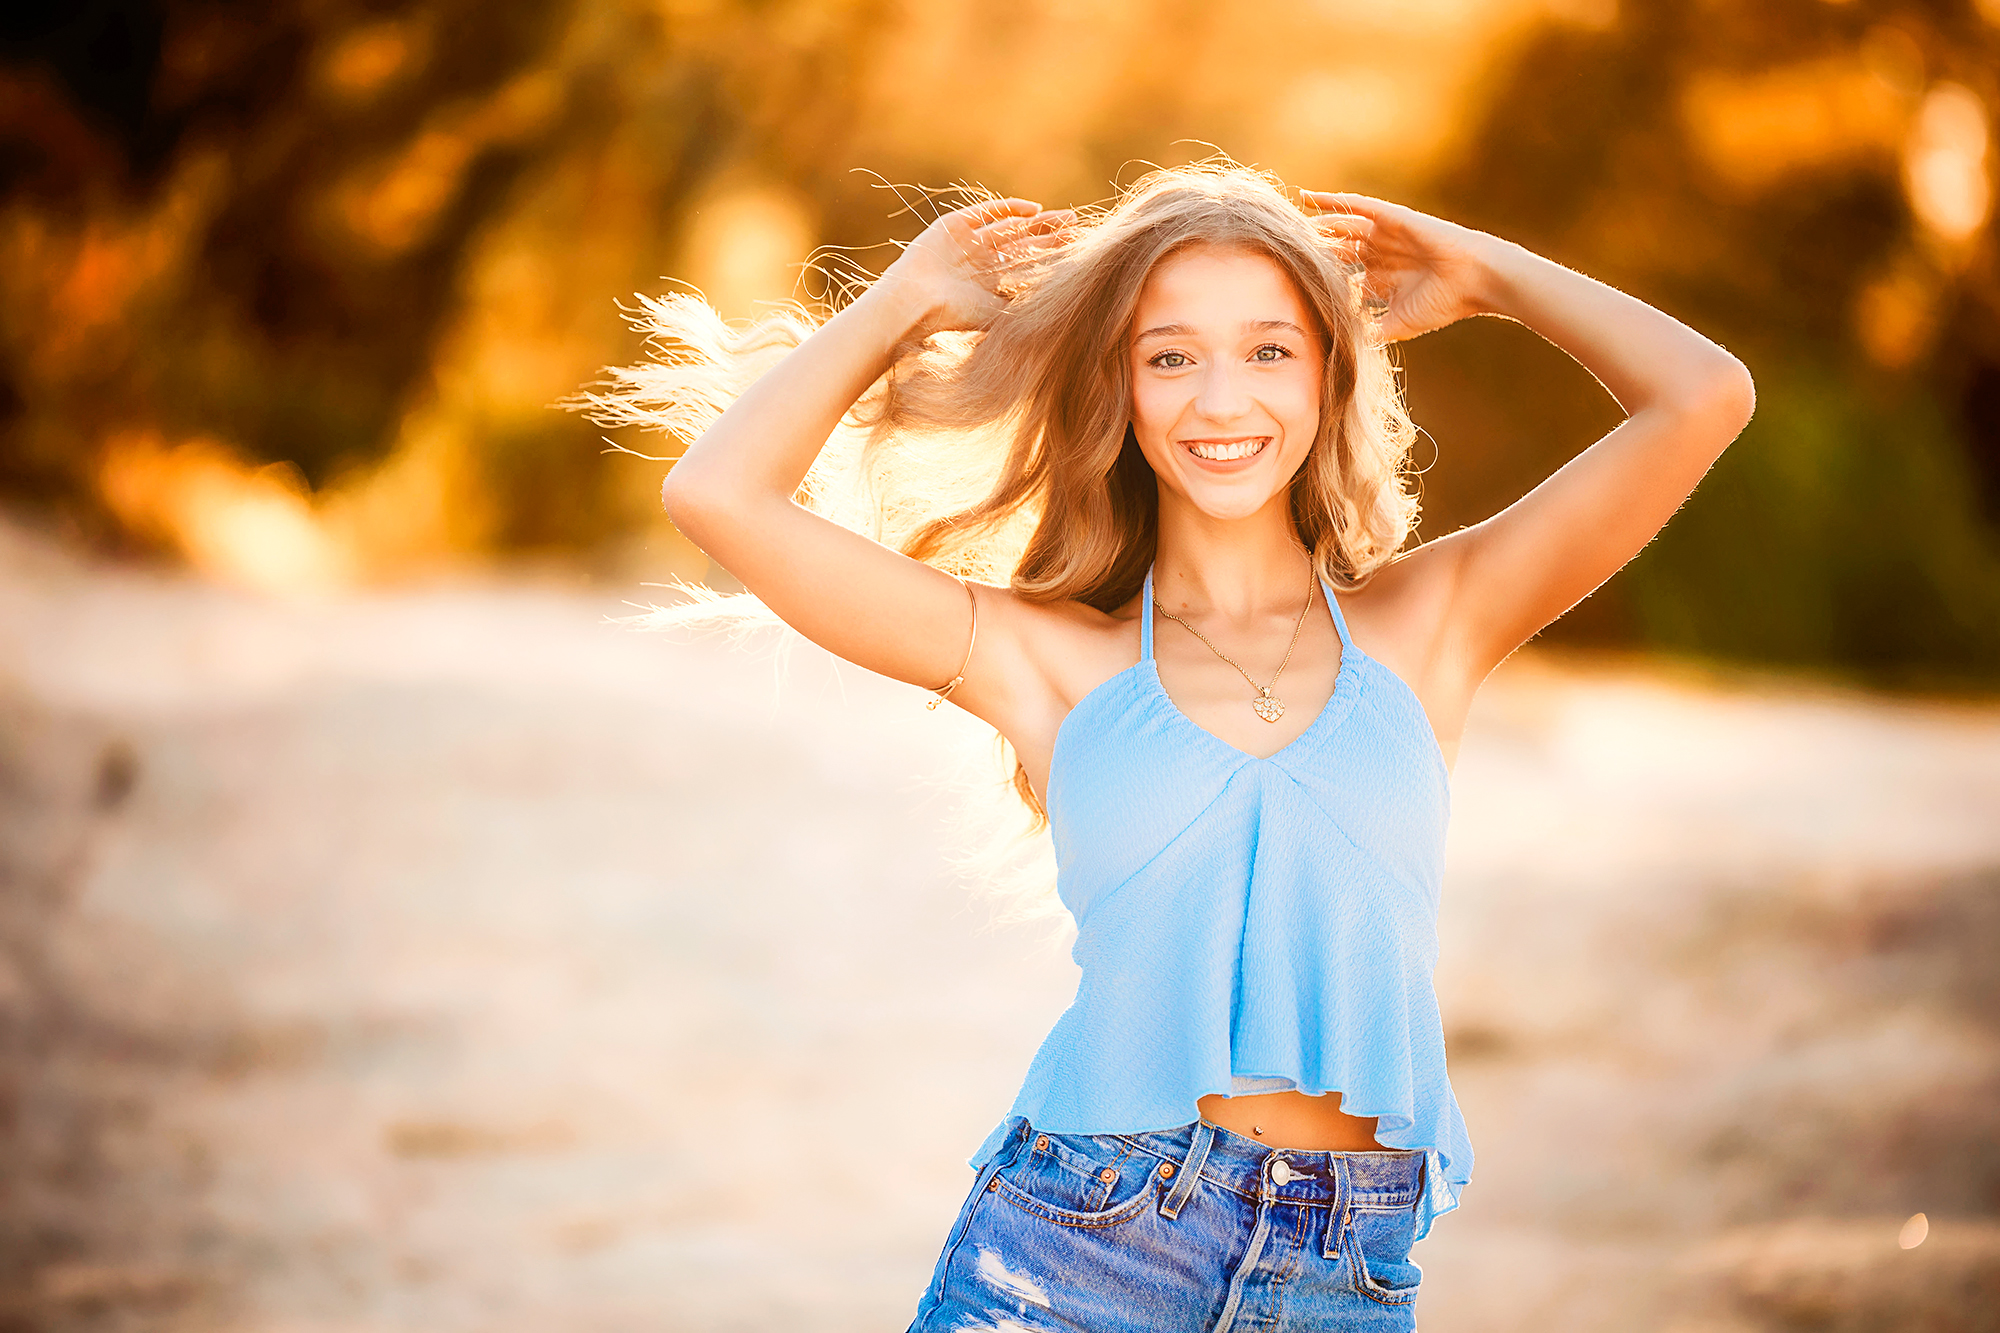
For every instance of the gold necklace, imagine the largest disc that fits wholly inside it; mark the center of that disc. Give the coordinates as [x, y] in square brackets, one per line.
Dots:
[1268, 705]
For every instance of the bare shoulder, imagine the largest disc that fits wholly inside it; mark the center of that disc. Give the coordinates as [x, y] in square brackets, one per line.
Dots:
[1400, 616]
[1074, 647]
[1402, 619]
[1050, 655]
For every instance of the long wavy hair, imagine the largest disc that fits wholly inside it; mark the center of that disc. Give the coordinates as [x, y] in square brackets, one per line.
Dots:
[1007, 454]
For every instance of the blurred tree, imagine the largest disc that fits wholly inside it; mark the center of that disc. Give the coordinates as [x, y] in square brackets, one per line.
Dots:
[320, 234]
[1761, 172]
[246, 221]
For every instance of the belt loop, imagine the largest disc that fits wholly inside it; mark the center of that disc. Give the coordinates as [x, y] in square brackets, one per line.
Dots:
[1338, 1216]
[1018, 1139]
[1177, 1197]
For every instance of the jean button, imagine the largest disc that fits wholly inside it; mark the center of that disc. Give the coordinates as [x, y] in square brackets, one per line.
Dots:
[1281, 1171]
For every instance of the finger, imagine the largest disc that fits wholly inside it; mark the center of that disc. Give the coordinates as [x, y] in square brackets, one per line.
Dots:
[1033, 252]
[1346, 202]
[1004, 232]
[1388, 316]
[1015, 263]
[1011, 230]
[1352, 238]
[1013, 269]
[979, 214]
[1347, 239]
[1391, 328]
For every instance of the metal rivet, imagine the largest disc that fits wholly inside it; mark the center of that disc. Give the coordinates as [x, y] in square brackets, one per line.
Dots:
[1042, 1144]
[993, 1184]
[1166, 1171]
[1107, 1175]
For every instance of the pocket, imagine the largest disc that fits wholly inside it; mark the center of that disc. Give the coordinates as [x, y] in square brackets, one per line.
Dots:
[1379, 1238]
[1079, 1180]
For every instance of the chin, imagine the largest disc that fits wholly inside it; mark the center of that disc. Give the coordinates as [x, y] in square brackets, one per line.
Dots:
[1228, 506]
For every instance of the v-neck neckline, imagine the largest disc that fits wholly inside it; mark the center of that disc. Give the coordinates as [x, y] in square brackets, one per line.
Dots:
[1346, 681]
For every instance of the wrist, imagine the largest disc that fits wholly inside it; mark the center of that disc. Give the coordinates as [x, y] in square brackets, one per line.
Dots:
[1497, 266]
[897, 308]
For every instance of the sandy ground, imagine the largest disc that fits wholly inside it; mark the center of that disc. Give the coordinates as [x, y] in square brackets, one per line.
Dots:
[452, 960]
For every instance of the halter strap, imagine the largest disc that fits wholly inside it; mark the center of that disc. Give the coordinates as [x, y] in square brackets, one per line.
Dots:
[1146, 618]
[1339, 619]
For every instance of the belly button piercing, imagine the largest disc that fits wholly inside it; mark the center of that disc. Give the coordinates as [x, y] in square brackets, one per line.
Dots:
[1256, 1129]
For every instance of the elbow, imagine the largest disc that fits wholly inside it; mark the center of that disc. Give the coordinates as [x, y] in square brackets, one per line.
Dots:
[1712, 400]
[689, 500]
[674, 494]
[1729, 395]
[705, 502]
[692, 482]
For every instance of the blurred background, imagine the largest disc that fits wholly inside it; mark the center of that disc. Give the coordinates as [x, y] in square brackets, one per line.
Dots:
[390, 942]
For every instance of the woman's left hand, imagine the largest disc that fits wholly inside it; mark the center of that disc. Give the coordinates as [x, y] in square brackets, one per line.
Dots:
[1429, 272]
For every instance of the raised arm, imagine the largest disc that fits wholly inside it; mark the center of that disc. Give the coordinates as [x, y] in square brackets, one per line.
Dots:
[731, 492]
[1684, 396]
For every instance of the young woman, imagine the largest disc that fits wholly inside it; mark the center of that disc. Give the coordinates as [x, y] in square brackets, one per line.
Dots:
[1178, 452]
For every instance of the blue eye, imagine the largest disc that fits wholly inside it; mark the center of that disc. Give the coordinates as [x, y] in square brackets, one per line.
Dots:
[1169, 361]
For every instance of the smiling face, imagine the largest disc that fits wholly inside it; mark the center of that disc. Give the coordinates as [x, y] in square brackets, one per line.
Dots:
[1226, 373]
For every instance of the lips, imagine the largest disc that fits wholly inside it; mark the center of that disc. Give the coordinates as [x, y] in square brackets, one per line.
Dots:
[1227, 451]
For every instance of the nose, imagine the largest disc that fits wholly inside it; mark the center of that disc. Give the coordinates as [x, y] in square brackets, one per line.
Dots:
[1223, 395]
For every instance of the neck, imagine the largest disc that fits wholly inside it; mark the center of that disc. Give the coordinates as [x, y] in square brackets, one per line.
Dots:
[1237, 566]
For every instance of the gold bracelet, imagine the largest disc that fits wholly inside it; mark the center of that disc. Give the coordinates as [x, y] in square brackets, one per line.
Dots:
[944, 692]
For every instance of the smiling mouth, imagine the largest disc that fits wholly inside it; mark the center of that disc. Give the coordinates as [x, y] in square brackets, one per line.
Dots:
[1227, 451]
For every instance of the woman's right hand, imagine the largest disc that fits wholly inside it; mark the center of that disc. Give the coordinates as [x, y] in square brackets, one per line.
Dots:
[956, 274]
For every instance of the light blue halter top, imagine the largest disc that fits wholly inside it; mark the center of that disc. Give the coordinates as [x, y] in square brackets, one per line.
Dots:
[1245, 924]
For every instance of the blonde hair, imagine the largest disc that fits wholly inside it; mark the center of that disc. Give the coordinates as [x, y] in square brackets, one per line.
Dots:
[1007, 454]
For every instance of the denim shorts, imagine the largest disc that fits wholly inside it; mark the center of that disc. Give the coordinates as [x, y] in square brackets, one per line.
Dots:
[1193, 1228]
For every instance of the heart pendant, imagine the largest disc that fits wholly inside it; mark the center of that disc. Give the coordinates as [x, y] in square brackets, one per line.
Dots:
[1268, 708]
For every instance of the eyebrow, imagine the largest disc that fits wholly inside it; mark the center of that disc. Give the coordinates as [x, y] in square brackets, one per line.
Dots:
[1249, 326]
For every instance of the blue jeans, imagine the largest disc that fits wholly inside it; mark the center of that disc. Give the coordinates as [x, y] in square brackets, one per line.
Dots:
[1193, 1228]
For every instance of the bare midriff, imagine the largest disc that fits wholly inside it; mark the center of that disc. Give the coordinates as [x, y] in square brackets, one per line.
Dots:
[1292, 1120]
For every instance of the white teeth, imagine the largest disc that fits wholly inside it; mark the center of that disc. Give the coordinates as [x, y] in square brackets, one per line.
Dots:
[1223, 453]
